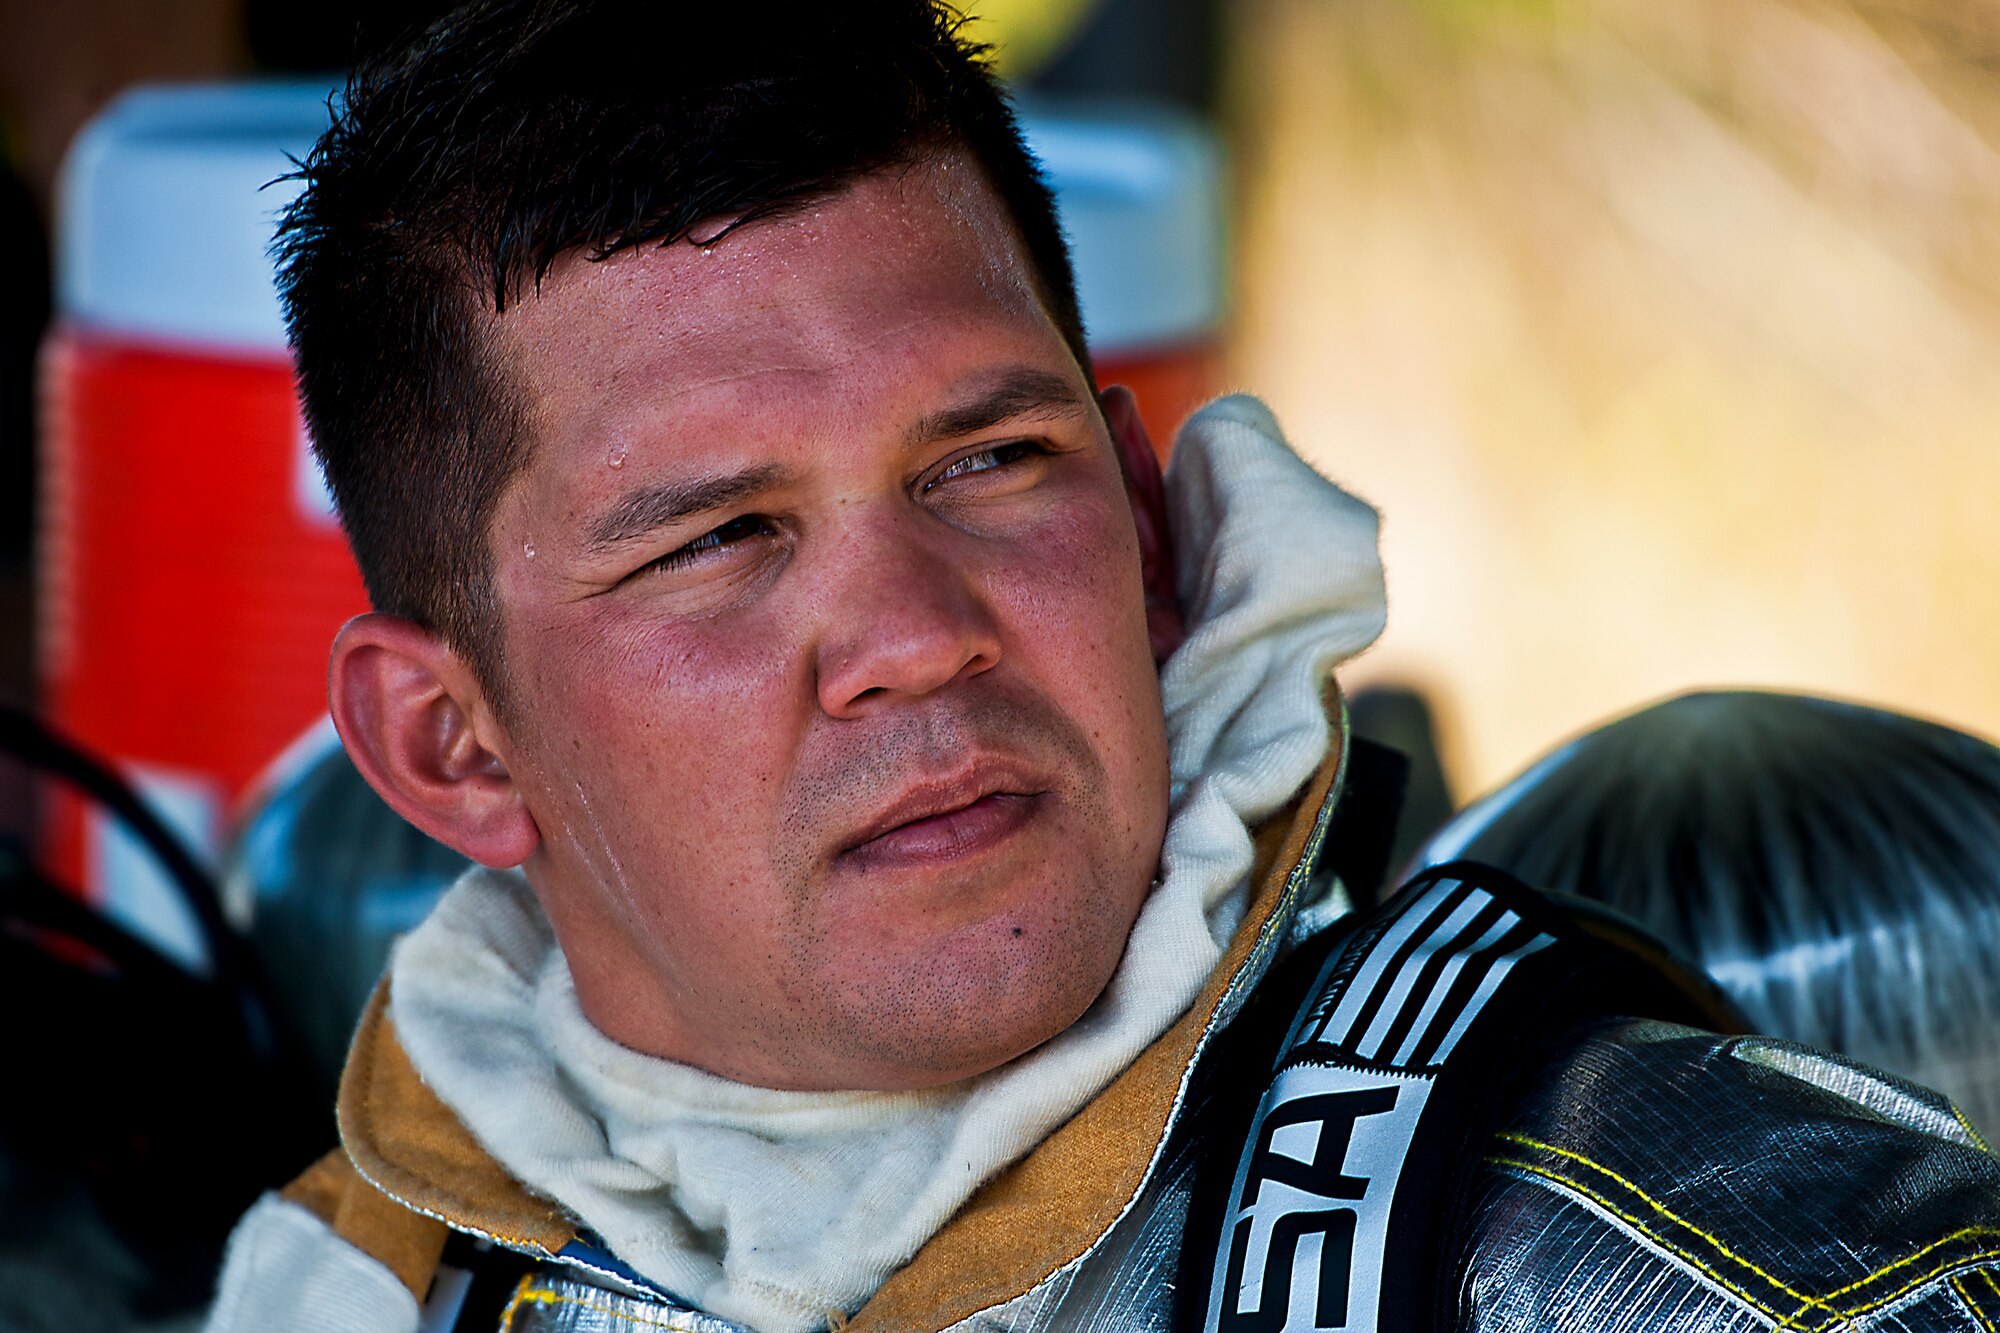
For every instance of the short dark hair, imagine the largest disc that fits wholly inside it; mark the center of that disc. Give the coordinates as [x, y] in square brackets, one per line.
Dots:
[1835, 867]
[512, 132]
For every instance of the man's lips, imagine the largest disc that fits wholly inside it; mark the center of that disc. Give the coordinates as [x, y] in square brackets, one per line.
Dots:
[942, 822]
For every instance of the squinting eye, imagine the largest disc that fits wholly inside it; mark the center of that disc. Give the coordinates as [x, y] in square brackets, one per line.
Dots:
[728, 534]
[985, 460]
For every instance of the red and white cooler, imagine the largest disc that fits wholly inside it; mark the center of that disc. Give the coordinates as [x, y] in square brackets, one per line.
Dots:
[191, 571]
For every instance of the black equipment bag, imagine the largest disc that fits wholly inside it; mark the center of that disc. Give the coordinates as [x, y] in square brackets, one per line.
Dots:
[169, 1096]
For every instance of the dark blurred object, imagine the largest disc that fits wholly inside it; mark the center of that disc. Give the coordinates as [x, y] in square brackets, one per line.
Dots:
[1399, 717]
[60, 63]
[1836, 868]
[329, 877]
[1360, 843]
[308, 39]
[148, 1106]
[1152, 50]
[22, 318]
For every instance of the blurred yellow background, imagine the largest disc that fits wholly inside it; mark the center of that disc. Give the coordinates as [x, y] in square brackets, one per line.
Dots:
[1666, 337]
[1025, 33]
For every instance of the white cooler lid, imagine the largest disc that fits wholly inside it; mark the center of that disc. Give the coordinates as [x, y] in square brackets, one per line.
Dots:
[167, 211]
[164, 217]
[1140, 192]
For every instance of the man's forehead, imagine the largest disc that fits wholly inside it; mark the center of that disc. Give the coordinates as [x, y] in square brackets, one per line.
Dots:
[934, 223]
[910, 277]
[872, 316]
[1011, 395]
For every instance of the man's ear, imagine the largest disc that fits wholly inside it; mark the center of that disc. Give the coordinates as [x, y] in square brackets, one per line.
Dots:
[414, 720]
[1165, 625]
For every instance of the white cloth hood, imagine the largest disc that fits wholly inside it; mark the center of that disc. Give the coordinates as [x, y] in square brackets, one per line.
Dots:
[775, 1209]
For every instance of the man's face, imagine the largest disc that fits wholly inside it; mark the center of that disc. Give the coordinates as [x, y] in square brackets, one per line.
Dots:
[829, 685]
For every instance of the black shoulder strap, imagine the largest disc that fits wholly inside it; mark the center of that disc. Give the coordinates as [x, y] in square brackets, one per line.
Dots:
[1327, 1199]
[1362, 837]
[474, 1281]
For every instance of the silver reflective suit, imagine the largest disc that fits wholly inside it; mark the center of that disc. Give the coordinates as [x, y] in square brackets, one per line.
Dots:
[1656, 1177]
[1640, 1176]
[1651, 1178]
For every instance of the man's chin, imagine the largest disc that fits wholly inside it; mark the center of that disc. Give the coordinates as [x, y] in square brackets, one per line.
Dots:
[956, 1016]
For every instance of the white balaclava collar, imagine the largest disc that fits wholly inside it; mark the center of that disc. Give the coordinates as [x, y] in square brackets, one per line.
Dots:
[777, 1208]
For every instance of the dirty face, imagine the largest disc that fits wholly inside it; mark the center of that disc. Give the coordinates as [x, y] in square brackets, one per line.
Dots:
[829, 685]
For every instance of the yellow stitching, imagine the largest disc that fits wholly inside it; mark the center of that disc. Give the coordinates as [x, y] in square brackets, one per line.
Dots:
[1914, 1283]
[1887, 1269]
[1823, 1301]
[1615, 1210]
[1807, 1302]
[1987, 1273]
[507, 1315]
[1978, 1139]
[525, 1294]
[1958, 1285]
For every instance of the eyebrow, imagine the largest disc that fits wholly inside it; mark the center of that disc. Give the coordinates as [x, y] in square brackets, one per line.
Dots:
[1021, 392]
[653, 507]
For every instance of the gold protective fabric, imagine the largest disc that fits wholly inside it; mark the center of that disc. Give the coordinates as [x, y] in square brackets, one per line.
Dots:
[409, 1145]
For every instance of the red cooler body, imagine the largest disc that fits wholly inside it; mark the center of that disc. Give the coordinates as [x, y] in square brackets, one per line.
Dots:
[193, 577]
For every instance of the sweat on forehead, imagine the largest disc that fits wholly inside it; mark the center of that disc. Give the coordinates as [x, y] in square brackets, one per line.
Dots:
[907, 209]
[751, 299]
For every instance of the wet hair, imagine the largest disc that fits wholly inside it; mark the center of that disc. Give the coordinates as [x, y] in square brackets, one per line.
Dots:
[512, 132]
[1835, 868]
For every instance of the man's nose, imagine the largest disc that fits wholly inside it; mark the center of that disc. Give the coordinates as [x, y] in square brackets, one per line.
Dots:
[904, 615]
